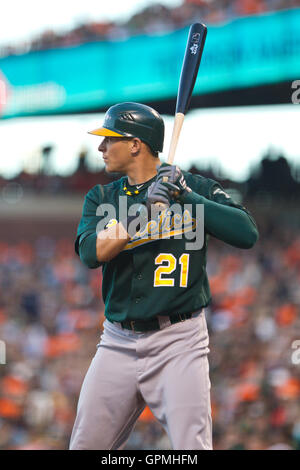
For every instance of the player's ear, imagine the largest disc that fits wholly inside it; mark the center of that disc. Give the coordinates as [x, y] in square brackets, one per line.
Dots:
[135, 146]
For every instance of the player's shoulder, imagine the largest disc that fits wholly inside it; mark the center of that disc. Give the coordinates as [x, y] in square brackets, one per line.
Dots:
[99, 191]
[200, 184]
[114, 186]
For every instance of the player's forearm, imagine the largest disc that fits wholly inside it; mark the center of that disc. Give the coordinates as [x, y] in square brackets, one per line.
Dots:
[87, 251]
[95, 249]
[110, 242]
[229, 224]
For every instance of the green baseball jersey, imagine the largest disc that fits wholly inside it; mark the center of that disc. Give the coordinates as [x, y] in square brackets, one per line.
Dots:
[160, 274]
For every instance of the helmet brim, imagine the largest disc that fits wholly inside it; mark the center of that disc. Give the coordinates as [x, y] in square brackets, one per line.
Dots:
[103, 131]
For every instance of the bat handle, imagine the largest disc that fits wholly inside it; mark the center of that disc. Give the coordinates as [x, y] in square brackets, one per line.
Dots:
[179, 117]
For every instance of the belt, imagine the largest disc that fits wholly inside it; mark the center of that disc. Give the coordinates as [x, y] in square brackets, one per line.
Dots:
[158, 323]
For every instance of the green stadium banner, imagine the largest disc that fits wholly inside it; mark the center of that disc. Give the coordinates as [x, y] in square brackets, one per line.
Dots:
[246, 52]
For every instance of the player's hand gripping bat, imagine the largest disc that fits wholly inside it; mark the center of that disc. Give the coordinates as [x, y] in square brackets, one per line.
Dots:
[189, 71]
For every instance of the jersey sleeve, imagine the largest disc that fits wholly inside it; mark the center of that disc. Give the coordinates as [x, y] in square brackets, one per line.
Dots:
[224, 218]
[214, 191]
[219, 195]
[86, 231]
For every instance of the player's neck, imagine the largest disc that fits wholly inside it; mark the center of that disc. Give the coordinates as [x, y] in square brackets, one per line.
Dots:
[140, 173]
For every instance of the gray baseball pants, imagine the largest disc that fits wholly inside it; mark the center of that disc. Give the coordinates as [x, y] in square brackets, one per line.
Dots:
[166, 369]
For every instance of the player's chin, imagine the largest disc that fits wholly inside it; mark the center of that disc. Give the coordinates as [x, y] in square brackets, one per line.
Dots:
[111, 169]
[108, 167]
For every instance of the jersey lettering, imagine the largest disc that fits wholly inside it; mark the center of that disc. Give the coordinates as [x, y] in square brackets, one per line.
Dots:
[168, 263]
[167, 269]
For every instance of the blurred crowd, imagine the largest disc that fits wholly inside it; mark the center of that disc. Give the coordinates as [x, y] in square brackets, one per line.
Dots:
[254, 321]
[155, 18]
[51, 316]
[51, 311]
[274, 175]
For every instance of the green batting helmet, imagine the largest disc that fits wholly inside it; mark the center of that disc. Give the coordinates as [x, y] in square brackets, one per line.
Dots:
[134, 120]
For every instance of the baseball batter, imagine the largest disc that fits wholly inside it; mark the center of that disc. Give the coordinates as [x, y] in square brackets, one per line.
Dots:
[154, 347]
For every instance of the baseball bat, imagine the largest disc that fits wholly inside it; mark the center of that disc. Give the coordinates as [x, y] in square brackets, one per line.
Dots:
[189, 71]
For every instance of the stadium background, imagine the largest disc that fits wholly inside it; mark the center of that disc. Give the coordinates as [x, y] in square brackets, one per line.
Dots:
[51, 310]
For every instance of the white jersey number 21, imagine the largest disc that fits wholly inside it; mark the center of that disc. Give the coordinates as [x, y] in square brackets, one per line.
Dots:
[168, 263]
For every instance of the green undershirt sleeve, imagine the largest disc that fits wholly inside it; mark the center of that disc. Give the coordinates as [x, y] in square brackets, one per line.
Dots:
[87, 251]
[85, 243]
[229, 224]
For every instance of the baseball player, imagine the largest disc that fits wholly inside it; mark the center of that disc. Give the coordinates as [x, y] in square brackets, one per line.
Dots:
[154, 346]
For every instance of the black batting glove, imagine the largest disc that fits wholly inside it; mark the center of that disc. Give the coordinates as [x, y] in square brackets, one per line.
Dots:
[149, 209]
[156, 200]
[157, 192]
[172, 178]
